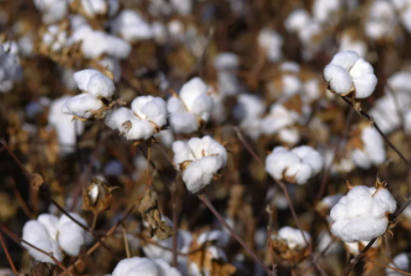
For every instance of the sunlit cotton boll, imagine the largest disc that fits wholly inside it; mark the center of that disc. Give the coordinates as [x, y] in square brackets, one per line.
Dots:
[52, 10]
[200, 159]
[132, 26]
[361, 214]
[293, 237]
[153, 109]
[95, 83]
[192, 105]
[346, 71]
[296, 166]
[82, 106]
[270, 42]
[137, 266]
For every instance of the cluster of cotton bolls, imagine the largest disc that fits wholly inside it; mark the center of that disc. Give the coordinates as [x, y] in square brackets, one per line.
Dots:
[10, 70]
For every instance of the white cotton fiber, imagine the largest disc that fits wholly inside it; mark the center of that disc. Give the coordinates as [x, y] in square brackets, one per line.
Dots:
[82, 105]
[151, 108]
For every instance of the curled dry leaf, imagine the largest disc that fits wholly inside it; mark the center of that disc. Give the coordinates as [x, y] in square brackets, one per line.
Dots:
[152, 215]
[36, 181]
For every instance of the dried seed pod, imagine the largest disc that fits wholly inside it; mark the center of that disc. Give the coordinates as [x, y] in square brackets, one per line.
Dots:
[97, 196]
[152, 215]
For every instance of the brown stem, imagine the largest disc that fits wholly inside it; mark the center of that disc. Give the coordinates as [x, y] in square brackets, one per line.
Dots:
[175, 222]
[6, 251]
[358, 257]
[270, 241]
[247, 146]
[210, 206]
[123, 229]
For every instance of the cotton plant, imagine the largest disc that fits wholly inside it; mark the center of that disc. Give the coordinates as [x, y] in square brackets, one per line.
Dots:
[362, 214]
[137, 266]
[296, 166]
[270, 43]
[147, 116]
[54, 235]
[199, 160]
[98, 90]
[131, 26]
[10, 68]
[191, 108]
[349, 75]
[367, 146]
[291, 244]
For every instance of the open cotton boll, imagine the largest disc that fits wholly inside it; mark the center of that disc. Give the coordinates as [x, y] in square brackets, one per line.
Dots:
[132, 26]
[55, 38]
[361, 214]
[226, 61]
[140, 129]
[184, 123]
[271, 42]
[400, 82]
[36, 233]
[200, 159]
[116, 118]
[323, 10]
[153, 109]
[278, 118]
[52, 10]
[293, 237]
[165, 269]
[65, 127]
[101, 86]
[182, 7]
[248, 106]
[297, 20]
[346, 71]
[297, 165]
[71, 236]
[401, 262]
[373, 151]
[94, 7]
[96, 43]
[82, 105]
[136, 267]
[347, 43]
[191, 90]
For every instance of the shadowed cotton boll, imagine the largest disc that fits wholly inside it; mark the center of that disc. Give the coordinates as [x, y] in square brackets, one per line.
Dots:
[52, 10]
[361, 214]
[293, 237]
[199, 160]
[401, 262]
[270, 42]
[137, 266]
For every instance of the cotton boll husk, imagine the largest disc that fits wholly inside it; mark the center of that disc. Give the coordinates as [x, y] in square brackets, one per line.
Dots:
[82, 78]
[248, 106]
[293, 237]
[297, 20]
[115, 118]
[81, 105]
[338, 79]
[71, 236]
[66, 129]
[278, 161]
[271, 42]
[183, 123]
[35, 233]
[136, 267]
[151, 108]
[345, 59]
[363, 78]
[101, 86]
[140, 129]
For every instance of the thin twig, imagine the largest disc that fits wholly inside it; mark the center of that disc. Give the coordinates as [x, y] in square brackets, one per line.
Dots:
[247, 146]
[210, 206]
[270, 241]
[358, 257]
[123, 229]
[6, 251]
[386, 266]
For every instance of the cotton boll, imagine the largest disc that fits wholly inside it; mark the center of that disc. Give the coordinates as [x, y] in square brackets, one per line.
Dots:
[71, 236]
[271, 42]
[94, 7]
[349, 44]
[345, 59]
[182, 7]
[53, 10]
[51, 224]
[300, 173]
[338, 79]
[226, 61]
[290, 136]
[132, 26]
[136, 267]
[401, 262]
[113, 65]
[248, 106]
[278, 161]
[278, 118]
[35, 233]
[363, 77]
[116, 118]
[151, 108]
[140, 129]
[82, 78]
[373, 151]
[101, 86]
[228, 84]
[309, 156]
[165, 269]
[183, 123]
[324, 9]
[293, 237]
[400, 82]
[290, 67]
[360, 215]
[297, 20]
[191, 90]
[291, 85]
[66, 129]
[82, 105]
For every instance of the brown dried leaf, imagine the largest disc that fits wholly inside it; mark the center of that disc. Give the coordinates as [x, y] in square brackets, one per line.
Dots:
[36, 181]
